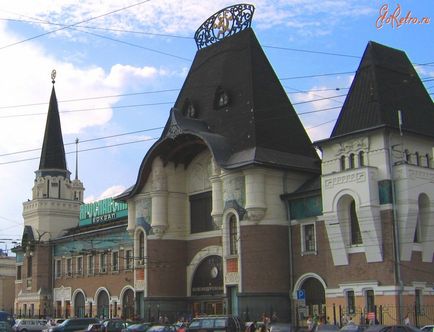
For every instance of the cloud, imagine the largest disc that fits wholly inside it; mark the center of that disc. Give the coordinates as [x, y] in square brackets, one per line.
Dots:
[184, 17]
[108, 193]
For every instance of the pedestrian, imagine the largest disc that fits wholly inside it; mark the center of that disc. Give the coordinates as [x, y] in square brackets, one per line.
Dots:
[309, 323]
[407, 320]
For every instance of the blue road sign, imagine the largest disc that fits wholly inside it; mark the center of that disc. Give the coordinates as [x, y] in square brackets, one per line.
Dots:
[300, 294]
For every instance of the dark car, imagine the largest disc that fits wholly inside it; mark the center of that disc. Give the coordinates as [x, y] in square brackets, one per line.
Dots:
[353, 328]
[139, 327]
[5, 327]
[213, 323]
[113, 325]
[74, 324]
[392, 328]
[326, 328]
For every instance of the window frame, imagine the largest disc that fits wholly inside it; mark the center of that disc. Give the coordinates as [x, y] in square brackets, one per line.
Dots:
[79, 265]
[115, 261]
[58, 268]
[90, 265]
[304, 248]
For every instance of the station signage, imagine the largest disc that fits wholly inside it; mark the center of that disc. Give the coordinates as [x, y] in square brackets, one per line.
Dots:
[102, 211]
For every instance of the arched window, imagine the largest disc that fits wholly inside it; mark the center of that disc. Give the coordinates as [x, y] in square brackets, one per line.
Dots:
[141, 252]
[407, 156]
[233, 235]
[361, 159]
[370, 300]
[103, 304]
[417, 158]
[221, 98]
[351, 302]
[356, 235]
[342, 163]
[351, 161]
[79, 307]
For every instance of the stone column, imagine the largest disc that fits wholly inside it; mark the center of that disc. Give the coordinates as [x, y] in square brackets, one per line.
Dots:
[255, 194]
[159, 196]
[217, 193]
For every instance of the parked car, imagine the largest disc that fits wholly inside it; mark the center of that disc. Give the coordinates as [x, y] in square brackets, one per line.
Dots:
[326, 328]
[29, 324]
[5, 327]
[280, 327]
[113, 325]
[211, 323]
[392, 328]
[140, 327]
[7, 317]
[162, 328]
[94, 327]
[351, 327]
[74, 324]
[428, 328]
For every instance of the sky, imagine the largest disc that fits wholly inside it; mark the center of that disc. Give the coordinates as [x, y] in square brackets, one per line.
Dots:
[120, 64]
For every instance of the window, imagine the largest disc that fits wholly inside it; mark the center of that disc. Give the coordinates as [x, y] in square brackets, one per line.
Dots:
[342, 162]
[200, 213]
[416, 155]
[427, 160]
[407, 156]
[356, 235]
[351, 161]
[69, 267]
[79, 265]
[19, 272]
[370, 303]
[90, 264]
[128, 259]
[361, 159]
[58, 268]
[29, 266]
[308, 238]
[351, 303]
[103, 262]
[115, 261]
[418, 300]
[221, 98]
[233, 235]
[141, 248]
[417, 235]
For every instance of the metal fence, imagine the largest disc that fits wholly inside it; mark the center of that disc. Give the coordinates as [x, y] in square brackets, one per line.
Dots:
[419, 315]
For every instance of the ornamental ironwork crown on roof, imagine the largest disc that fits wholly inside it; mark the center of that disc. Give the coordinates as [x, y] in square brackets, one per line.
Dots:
[224, 23]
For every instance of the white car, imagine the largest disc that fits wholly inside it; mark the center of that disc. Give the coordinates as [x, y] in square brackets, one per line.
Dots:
[428, 328]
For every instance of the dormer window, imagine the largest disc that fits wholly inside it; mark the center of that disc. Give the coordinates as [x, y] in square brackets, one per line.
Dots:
[189, 110]
[221, 98]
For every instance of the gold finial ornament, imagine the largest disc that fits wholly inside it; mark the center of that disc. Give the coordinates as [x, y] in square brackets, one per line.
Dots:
[53, 76]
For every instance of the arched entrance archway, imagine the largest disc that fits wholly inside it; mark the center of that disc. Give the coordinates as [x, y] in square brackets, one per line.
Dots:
[79, 305]
[128, 304]
[103, 304]
[207, 286]
[314, 295]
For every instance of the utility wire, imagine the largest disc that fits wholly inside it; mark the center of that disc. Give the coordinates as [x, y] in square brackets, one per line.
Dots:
[74, 24]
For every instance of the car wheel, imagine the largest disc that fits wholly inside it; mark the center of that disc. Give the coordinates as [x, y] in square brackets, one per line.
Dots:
[23, 330]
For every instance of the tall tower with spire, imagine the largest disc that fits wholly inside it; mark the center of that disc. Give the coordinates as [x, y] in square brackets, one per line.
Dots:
[56, 200]
[54, 207]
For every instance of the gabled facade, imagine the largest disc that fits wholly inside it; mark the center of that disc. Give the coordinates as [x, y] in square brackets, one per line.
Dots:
[371, 242]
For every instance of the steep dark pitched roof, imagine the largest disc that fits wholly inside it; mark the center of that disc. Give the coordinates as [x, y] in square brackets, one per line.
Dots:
[386, 82]
[258, 126]
[53, 161]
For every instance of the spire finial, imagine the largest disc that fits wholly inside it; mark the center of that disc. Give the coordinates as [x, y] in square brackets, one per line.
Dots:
[53, 76]
[76, 158]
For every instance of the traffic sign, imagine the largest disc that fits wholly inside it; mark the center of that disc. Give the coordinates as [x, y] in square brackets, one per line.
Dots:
[300, 294]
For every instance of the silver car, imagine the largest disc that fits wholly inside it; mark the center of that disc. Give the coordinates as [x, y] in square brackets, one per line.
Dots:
[30, 325]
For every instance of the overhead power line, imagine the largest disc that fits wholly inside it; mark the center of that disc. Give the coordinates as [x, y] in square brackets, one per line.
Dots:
[74, 24]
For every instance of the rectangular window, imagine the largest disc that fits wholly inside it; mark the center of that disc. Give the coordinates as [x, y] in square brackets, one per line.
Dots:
[103, 262]
[58, 268]
[128, 259]
[69, 267]
[200, 213]
[351, 303]
[80, 265]
[370, 303]
[115, 261]
[308, 238]
[418, 300]
[29, 266]
[90, 264]
[19, 272]
[233, 235]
